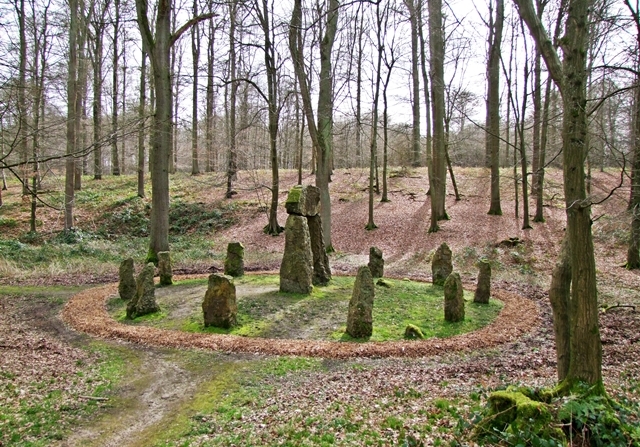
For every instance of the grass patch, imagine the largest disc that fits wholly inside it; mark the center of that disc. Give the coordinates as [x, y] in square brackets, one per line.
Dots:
[265, 312]
[49, 415]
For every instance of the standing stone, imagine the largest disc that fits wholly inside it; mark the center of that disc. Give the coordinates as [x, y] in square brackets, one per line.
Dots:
[234, 263]
[127, 284]
[164, 268]
[453, 299]
[376, 263]
[219, 306]
[296, 270]
[441, 266]
[483, 289]
[321, 269]
[303, 200]
[360, 318]
[145, 300]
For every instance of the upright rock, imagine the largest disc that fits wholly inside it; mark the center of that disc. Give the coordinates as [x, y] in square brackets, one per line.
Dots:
[219, 306]
[234, 263]
[483, 289]
[296, 270]
[165, 268]
[127, 283]
[360, 318]
[376, 263]
[303, 200]
[453, 299]
[441, 266]
[321, 269]
[145, 300]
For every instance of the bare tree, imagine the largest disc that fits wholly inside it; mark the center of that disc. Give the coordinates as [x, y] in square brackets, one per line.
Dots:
[584, 348]
[492, 137]
[72, 115]
[321, 134]
[438, 170]
[415, 77]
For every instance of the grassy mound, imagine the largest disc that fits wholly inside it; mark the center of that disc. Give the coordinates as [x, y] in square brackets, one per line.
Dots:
[321, 315]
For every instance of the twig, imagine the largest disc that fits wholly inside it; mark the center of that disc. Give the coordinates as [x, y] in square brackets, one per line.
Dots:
[99, 399]
[605, 309]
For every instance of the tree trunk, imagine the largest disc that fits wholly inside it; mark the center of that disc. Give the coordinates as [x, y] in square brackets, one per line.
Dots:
[195, 53]
[210, 100]
[69, 193]
[321, 134]
[633, 252]
[142, 118]
[493, 107]
[436, 44]
[232, 164]
[585, 363]
[415, 80]
[115, 161]
[560, 296]
[81, 89]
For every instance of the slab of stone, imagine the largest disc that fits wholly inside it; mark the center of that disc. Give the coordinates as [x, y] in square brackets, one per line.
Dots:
[165, 268]
[376, 262]
[234, 262]
[360, 317]
[483, 289]
[145, 300]
[321, 268]
[453, 298]
[296, 270]
[127, 280]
[219, 306]
[441, 265]
[303, 200]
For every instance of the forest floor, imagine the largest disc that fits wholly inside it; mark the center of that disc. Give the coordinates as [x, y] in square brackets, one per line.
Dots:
[125, 393]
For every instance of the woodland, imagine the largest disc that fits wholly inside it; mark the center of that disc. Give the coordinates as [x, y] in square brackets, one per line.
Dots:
[510, 131]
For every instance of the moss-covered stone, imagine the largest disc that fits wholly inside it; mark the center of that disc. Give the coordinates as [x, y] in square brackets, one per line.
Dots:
[413, 332]
[165, 268]
[453, 299]
[234, 262]
[145, 300]
[296, 269]
[127, 280]
[360, 318]
[219, 306]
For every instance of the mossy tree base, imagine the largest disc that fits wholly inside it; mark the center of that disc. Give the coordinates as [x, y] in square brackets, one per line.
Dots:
[555, 417]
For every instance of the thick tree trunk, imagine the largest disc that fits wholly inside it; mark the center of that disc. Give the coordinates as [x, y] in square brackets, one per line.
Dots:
[585, 363]
[322, 133]
[69, 193]
[439, 173]
[232, 164]
[560, 296]
[493, 107]
[195, 53]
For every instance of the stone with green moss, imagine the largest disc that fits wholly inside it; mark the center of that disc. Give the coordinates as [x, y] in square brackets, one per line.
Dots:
[303, 200]
[360, 318]
[453, 299]
[234, 262]
[127, 280]
[219, 306]
[145, 300]
[165, 268]
[296, 269]
[413, 332]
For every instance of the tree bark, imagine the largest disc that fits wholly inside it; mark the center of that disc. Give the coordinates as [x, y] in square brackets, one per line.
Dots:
[69, 193]
[415, 80]
[585, 363]
[436, 45]
[141, 116]
[115, 161]
[493, 107]
[232, 166]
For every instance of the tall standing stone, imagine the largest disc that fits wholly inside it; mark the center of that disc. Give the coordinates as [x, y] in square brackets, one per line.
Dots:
[321, 269]
[234, 262]
[219, 306]
[296, 270]
[127, 283]
[145, 300]
[376, 262]
[360, 318]
[483, 289]
[165, 268]
[453, 298]
[441, 266]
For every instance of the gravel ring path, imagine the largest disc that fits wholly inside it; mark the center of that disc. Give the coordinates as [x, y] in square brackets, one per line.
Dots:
[87, 312]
